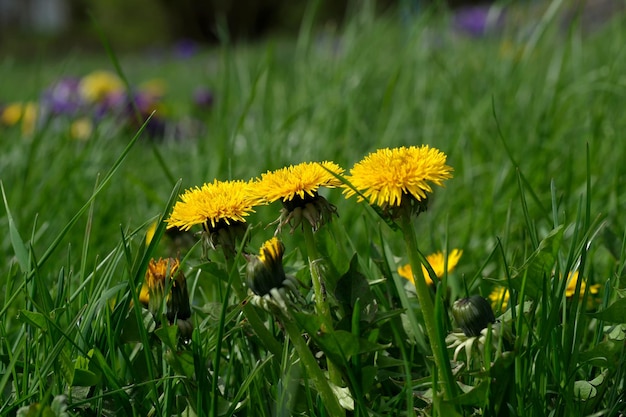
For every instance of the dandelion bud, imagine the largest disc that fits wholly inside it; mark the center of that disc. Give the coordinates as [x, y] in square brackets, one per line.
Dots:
[158, 277]
[265, 272]
[178, 299]
[472, 314]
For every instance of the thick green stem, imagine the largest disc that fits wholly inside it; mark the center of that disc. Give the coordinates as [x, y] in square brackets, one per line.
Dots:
[313, 371]
[437, 343]
[321, 303]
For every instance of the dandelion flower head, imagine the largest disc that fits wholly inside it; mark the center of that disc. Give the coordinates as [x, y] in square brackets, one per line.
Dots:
[437, 262]
[272, 251]
[98, 85]
[219, 201]
[386, 174]
[156, 274]
[300, 180]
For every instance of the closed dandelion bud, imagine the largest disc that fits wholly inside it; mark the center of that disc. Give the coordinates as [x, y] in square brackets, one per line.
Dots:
[178, 299]
[185, 328]
[265, 272]
[472, 314]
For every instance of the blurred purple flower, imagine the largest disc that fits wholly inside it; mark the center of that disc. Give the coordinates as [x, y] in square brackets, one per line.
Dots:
[478, 20]
[63, 97]
[185, 48]
[203, 98]
[112, 104]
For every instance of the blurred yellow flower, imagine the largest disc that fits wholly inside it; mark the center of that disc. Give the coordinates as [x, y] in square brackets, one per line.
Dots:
[150, 232]
[572, 280]
[98, 85]
[81, 129]
[155, 87]
[385, 176]
[497, 295]
[13, 113]
[437, 262]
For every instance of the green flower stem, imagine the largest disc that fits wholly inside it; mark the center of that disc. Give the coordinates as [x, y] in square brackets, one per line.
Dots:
[437, 343]
[314, 372]
[267, 338]
[321, 303]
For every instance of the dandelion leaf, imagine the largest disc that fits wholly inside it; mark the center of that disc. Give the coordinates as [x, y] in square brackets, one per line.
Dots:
[473, 395]
[168, 335]
[615, 313]
[603, 354]
[353, 286]
[181, 362]
[33, 318]
[339, 345]
[85, 373]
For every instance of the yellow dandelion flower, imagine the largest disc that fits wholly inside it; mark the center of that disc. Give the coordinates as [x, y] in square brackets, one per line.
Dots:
[220, 202]
[12, 114]
[98, 85]
[297, 186]
[154, 88]
[150, 232]
[265, 272]
[166, 274]
[29, 118]
[572, 280]
[437, 262]
[144, 295]
[300, 180]
[159, 270]
[272, 252]
[385, 176]
[81, 129]
[499, 295]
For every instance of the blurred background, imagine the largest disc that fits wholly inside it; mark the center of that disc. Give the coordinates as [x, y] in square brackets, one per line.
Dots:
[40, 26]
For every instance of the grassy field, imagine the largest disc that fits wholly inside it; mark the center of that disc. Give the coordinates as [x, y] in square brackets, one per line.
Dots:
[530, 120]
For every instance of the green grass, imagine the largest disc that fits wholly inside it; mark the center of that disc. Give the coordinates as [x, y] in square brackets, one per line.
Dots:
[532, 122]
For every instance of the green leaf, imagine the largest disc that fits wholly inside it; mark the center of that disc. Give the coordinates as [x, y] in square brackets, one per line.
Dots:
[168, 335]
[353, 286]
[85, 373]
[368, 378]
[475, 396]
[587, 390]
[615, 313]
[338, 345]
[181, 362]
[84, 378]
[33, 318]
[603, 354]
[130, 328]
[21, 253]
